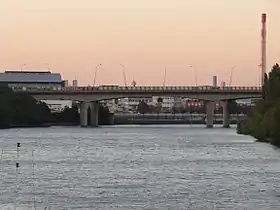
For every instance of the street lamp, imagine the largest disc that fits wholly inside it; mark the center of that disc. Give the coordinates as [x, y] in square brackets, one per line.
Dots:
[124, 74]
[95, 72]
[231, 73]
[25, 64]
[164, 77]
[47, 64]
[194, 73]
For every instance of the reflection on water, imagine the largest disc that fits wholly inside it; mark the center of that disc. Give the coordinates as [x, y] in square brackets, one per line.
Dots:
[138, 167]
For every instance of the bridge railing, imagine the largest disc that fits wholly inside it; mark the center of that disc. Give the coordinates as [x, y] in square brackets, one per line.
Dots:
[140, 89]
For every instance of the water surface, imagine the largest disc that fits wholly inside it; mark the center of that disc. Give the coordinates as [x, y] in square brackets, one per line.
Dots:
[138, 167]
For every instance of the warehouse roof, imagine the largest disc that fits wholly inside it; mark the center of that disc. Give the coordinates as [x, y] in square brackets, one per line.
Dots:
[30, 77]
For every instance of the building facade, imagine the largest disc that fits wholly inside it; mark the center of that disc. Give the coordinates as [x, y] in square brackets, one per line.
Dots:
[130, 105]
[39, 79]
[57, 105]
[166, 102]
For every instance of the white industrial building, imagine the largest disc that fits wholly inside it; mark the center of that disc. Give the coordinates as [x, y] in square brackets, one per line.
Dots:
[126, 105]
[131, 104]
[58, 105]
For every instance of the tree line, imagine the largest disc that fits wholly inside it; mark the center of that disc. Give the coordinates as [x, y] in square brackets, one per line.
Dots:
[22, 110]
[263, 122]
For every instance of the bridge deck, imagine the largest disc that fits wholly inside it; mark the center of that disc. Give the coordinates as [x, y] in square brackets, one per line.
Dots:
[139, 89]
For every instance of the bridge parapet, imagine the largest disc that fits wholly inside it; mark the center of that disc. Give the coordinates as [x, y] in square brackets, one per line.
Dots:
[141, 89]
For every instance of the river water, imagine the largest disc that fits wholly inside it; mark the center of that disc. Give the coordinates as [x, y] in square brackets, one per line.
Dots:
[137, 167]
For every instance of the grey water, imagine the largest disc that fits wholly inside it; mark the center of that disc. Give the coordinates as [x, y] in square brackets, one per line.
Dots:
[137, 167]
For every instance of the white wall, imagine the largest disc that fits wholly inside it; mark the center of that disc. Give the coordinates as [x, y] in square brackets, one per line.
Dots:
[57, 105]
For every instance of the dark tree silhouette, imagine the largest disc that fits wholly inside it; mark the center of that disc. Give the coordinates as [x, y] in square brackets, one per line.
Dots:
[264, 120]
[143, 107]
[21, 110]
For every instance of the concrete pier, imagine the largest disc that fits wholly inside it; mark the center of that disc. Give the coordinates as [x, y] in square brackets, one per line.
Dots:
[226, 114]
[209, 114]
[83, 114]
[94, 114]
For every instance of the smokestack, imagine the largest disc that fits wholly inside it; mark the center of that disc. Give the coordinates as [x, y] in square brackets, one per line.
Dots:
[263, 47]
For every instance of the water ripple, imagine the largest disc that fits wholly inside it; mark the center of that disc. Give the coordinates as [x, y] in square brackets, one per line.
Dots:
[138, 167]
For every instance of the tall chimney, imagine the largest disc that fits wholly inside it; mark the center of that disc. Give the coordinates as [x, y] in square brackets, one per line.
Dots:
[263, 48]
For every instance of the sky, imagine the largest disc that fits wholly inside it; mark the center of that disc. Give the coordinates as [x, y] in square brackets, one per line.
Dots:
[146, 36]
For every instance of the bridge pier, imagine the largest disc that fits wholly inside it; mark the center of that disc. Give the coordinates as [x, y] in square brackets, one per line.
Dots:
[209, 114]
[226, 115]
[84, 114]
[94, 114]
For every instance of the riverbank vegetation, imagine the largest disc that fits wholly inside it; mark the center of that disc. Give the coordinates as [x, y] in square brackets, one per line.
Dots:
[263, 122]
[22, 110]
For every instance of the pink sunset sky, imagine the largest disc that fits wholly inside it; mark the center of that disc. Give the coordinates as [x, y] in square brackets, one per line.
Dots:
[146, 36]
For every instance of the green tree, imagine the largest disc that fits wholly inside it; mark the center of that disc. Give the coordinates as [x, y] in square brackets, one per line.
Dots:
[264, 120]
[18, 109]
[21, 110]
[143, 107]
[233, 107]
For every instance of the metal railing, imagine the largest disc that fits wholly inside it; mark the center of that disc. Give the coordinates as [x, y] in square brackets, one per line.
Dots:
[128, 89]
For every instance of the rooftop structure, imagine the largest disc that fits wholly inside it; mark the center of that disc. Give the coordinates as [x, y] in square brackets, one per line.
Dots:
[31, 78]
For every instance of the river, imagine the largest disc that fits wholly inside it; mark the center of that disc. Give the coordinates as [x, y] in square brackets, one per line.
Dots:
[137, 167]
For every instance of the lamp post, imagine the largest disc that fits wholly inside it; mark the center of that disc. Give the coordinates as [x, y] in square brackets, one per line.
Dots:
[48, 65]
[194, 73]
[164, 77]
[25, 64]
[124, 74]
[231, 73]
[95, 72]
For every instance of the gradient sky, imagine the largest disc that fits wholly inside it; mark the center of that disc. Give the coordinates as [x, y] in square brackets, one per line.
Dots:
[144, 35]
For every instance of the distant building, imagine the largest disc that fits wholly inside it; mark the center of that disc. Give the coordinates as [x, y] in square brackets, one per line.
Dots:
[66, 84]
[215, 81]
[166, 102]
[58, 105]
[40, 79]
[131, 104]
[194, 103]
[75, 83]
[247, 102]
